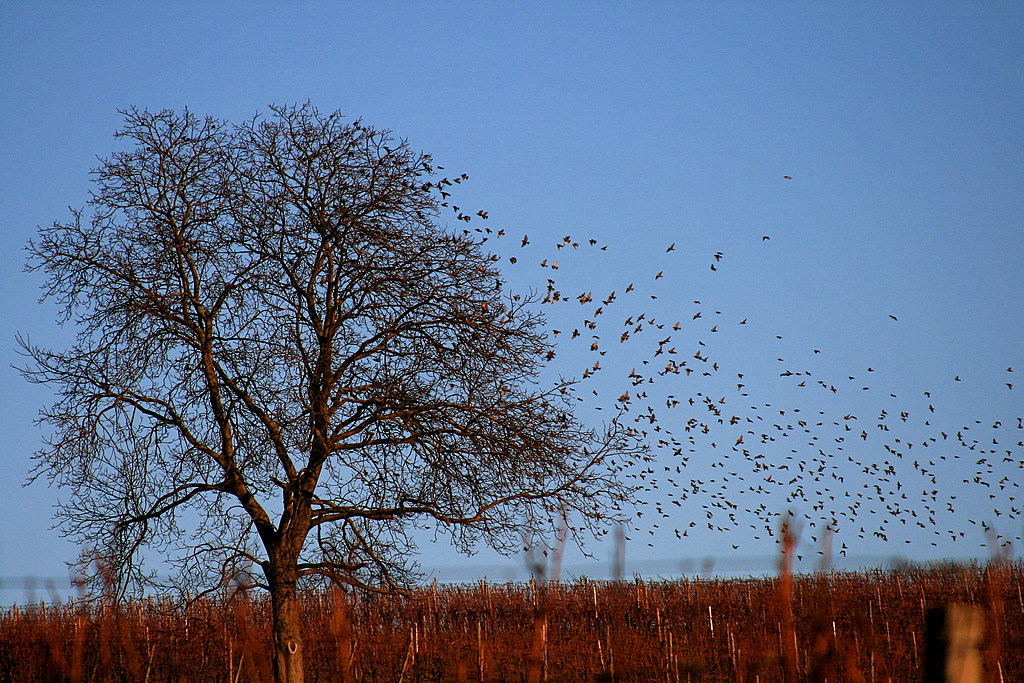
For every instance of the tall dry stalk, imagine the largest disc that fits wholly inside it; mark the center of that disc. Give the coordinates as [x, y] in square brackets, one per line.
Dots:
[787, 623]
[995, 587]
[341, 630]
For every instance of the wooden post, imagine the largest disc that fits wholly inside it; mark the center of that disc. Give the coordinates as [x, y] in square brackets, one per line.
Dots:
[953, 648]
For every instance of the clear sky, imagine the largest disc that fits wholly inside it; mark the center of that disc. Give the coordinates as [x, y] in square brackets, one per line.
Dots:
[638, 125]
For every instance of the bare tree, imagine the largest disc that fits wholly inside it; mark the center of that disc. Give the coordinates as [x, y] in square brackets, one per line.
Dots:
[285, 359]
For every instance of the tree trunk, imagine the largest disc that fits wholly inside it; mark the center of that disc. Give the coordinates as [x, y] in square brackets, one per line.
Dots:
[288, 645]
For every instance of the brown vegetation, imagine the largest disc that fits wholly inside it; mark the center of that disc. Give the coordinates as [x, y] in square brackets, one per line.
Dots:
[845, 627]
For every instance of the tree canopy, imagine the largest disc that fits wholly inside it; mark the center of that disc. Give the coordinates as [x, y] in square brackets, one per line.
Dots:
[285, 361]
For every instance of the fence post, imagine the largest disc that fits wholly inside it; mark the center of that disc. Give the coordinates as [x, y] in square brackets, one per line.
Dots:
[953, 644]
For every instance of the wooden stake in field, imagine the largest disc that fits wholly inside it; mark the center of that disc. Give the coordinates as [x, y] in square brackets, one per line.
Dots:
[954, 644]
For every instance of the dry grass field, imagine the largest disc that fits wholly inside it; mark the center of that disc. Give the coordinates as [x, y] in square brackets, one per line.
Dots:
[857, 627]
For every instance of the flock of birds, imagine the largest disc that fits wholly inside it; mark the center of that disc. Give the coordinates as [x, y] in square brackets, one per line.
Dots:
[751, 464]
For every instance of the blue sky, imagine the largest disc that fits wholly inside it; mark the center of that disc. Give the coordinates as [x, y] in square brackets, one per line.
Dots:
[638, 125]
